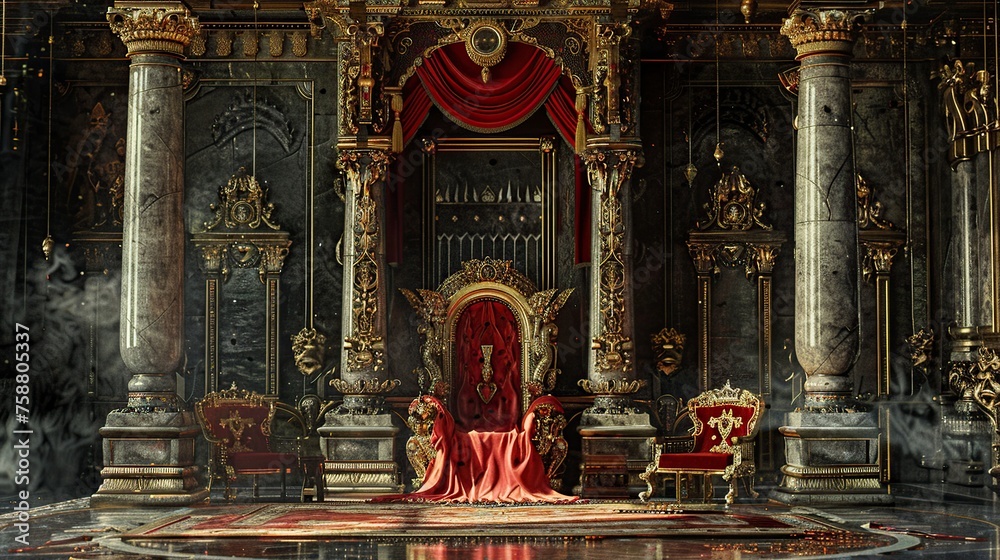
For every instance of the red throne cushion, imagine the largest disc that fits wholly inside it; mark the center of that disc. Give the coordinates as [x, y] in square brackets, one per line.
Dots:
[718, 419]
[475, 466]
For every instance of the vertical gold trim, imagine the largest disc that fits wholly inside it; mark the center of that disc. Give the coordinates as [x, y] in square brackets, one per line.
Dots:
[271, 342]
[211, 333]
[765, 334]
[704, 329]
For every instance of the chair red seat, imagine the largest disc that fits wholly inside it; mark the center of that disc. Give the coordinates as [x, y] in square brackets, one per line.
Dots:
[263, 462]
[695, 461]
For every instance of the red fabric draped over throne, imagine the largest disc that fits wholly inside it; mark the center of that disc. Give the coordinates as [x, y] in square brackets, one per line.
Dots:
[483, 453]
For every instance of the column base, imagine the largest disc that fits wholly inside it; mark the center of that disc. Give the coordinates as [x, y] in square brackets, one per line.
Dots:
[149, 460]
[831, 458]
[608, 440]
[360, 454]
[965, 432]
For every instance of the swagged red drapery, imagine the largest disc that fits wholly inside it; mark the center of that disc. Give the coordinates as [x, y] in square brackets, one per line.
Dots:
[523, 81]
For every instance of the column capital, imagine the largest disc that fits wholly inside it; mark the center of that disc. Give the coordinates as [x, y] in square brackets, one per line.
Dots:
[147, 27]
[822, 31]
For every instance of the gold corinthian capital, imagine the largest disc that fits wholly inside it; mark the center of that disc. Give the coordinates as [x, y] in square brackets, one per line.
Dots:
[813, 32]
[161, 28]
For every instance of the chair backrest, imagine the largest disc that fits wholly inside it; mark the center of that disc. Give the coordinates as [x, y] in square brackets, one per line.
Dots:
[236, 419]
[489, 343]
[720, 415]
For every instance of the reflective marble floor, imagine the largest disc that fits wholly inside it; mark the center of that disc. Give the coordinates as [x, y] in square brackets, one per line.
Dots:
[927, 521]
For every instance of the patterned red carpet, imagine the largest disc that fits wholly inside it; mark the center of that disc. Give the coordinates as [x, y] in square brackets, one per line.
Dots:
[333, 520]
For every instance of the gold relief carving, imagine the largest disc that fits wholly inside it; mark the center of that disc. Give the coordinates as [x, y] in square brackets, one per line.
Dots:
[309, 348]
[486, 44]
[166, 29]
[198, 45]
[704, 258]
[549, 441]
[921, 347]
[365, 345]
[724, 423]
[251, 43]
[224, 43]
[822, 31]
[608, 172]
[419, 450]
[623, 386]
[987, 386]
[878, 257]
[607, 96]
[300, 44]
[869, 209]
[733, 205]
[272, 259]
[243, 204]
[236, 424]
[968, 101]
[962, 378]
[542, 308]
[215, 259]
[762, 258]
[432, 308]
[486, 270]
[365, 386]
[275, 43]
[668, 346]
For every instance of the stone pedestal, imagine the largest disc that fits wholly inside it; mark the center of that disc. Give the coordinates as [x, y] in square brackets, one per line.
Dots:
[625, 435]
[360, 453]
[831, 458]
[149, 445]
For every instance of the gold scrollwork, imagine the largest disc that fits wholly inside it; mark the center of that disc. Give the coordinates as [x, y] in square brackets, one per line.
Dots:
[365, 344]
[549, 441]
[364, 386]
[733, 205]
[242, 204]
[609, 171]
[623, 386]
[542, 308]
[668, 346]
[432, 308]
[166, 28]
[423, 412]
[309, 348]
[921, 347]
[986, 394]
[878, 257]
[869, 209]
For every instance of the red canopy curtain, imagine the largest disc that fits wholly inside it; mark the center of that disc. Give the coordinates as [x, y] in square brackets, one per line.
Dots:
[522, 82]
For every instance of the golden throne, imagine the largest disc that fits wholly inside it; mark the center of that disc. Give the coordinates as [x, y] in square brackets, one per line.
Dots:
[488, 354]
[723, 441]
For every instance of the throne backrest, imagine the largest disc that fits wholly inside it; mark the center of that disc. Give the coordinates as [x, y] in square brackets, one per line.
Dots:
[721, 415]
[238, 420]
[487, 310]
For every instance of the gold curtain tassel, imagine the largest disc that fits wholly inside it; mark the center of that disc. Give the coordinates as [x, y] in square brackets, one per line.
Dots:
[581, 125]
[397, 127]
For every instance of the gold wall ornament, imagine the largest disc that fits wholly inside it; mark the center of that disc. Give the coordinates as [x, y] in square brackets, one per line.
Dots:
[542, 309]
[309, 348]
[921, 346]
[823, 30]
[878, 257]
[968, 102]
[486, 44]
[242, 205]
[870, 209]
[549, 441]
[986, 394]
[733, 205]
[668, 347]
[432, 308]
[962, 376]
[423, 412]
[623, 386]
[165, 28]
[364, 386]
[365, 343]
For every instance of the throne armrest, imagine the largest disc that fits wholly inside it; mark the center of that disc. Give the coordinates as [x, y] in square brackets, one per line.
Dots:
[430, 422]
[672, 444]
[544, 422]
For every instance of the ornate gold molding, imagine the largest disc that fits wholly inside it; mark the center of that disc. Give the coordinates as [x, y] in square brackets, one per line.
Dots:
[365, 344]
[166, 28]
[812, 32]
[242, 204]
[668, 346]
[870, 209]
[921, 347]
[309, 347]
[609, 171]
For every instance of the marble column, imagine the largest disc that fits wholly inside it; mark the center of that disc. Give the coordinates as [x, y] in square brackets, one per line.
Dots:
[831, 451]
[358, 437]
[149, 445]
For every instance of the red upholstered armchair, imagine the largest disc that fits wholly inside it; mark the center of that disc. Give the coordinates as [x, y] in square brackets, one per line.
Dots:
[725, 429]
[485, 429]
[238, 425]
